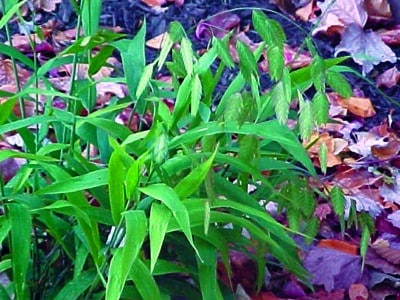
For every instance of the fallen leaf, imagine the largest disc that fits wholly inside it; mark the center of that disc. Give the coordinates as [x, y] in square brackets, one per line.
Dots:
[217, 26]
[390, 36]
[386, 152]
[365, 47]
[387, 250]
[358, 106]
[304, 13]
[389, 78]
[378, 9]
[336, 15]
[364, 142]
[339, 245]
[157, 41]
[332, 268]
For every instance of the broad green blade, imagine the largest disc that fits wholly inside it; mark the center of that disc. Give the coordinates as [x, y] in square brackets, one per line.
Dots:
[144, 281]
[208, 271]
[123, 259]
[116, 186]
[191, 183]
[159, 219]
[21, 228]
[79, 183]
[76, 287]
[169, 197]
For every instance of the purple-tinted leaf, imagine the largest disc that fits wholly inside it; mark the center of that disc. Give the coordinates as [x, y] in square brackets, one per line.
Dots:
[363, 203]
[379, 277]
[365, 47]
[217, 26]
[333, 269]
[8, 168]
[394, 218]
[293, 290]
[374, 260]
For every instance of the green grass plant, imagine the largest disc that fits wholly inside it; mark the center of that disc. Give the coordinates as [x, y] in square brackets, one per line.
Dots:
[154, 213]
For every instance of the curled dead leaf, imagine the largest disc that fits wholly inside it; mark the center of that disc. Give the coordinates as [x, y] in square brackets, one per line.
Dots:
[358, 106]
[389, 78]
[386, 152]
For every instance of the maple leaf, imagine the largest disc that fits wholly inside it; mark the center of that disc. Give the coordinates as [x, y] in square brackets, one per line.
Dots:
[365, 47]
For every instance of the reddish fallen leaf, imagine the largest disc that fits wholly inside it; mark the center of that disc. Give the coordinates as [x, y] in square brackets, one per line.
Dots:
[389, 78]
[46, 5]
[339, 245]
[386, 152]
[358, 106]
[390, 36]
[306, 12]
[378, 9]
[358, 291]
[217, 26]
[153, 3]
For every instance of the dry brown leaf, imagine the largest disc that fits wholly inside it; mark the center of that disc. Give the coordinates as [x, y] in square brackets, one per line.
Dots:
[358, 106]
[378, 9]
[7, 73]
[365, 140]
[157, 41]
[389, 78]
[386, 152]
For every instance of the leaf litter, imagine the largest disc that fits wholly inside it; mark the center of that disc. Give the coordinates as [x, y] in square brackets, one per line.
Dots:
[365, 163]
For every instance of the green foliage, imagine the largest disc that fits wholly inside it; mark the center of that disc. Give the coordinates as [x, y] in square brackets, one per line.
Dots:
[156, 210]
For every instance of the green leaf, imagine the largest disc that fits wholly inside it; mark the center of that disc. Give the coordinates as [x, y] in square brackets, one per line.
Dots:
[100, 59]
[76, 287]
[116, 186]
[159, 219]
[338, 83]
[9, 10]
[318, 73]
[78, 183]
[165, 49]
[208, 271]
[205, 61]
[133, 58]
[21, 228]
[124, 258]
[281, 103]
[144, 281]
[182, 100]
[191, 183]
[338, 203]
[171, 199]
[144, 80]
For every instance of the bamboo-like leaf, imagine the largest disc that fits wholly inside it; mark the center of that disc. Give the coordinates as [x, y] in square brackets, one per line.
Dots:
[158, 224]
[6, 109]
[208, 271]
[116, 186]
[144, 80]
[76, 287]
[280, 102]
[124, 258]
[21, 228]
[165, 49]
[171, 199]
[194, 179]
[182, 100]
[79, 183]
[9, 10]
[144, 281]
